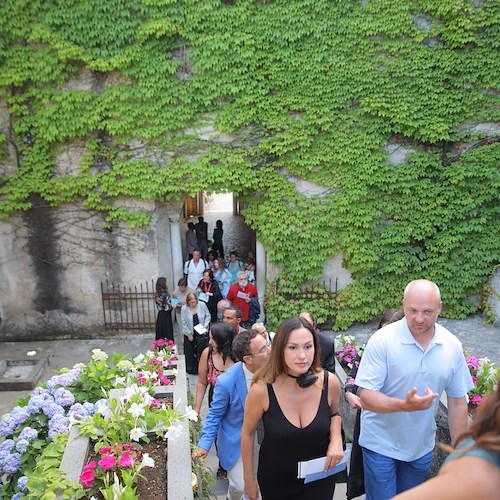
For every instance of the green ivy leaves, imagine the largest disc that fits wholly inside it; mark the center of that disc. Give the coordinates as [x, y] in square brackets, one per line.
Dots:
[309, 89]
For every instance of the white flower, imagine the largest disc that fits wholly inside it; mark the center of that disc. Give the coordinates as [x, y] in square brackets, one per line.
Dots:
[175, 371]
[139, 359]
[136, 433]
[99, 355]
[150, 354]
[147, 398]
[118, 489]
[191, 414]
[136, 410]
[103, 408]
[120, 381]
[80, 366]
[124, 365]
[174, 431]
[131, 391]
[147, 461]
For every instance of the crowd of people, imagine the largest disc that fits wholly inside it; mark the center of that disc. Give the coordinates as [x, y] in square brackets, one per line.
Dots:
[274, 397]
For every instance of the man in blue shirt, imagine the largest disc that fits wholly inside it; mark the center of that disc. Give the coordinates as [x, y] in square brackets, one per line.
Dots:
[403, 372]
[225, 417]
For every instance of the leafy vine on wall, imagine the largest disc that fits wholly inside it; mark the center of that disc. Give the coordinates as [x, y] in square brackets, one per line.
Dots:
[311, 88]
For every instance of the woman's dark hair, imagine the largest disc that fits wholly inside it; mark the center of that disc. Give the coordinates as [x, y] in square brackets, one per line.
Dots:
[182, 282]
[390, 316]
[218, 223]
[210, 273]
[223, 335]
[161, 286]
[234, 252]
[276, 365]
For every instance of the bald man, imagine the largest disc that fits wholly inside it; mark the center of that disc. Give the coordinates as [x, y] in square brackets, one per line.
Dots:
[403, 371]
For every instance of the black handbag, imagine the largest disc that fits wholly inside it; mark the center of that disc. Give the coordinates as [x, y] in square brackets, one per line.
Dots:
[356, 479]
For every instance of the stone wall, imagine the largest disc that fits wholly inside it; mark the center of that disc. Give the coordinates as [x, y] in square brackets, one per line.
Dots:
[53, 263]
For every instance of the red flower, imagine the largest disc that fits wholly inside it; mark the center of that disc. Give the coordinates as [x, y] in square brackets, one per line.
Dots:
[126, 460]
[107, 462]
[104, 450]
[88, 474]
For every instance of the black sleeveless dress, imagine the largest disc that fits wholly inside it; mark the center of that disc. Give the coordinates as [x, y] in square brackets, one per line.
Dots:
[284, 445]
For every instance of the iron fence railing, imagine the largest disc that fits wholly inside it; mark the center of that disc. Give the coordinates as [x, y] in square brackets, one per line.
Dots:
[128, 308]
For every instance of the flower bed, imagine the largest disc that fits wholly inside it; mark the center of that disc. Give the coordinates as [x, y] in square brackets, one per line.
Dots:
[485, 376]
[36, 430]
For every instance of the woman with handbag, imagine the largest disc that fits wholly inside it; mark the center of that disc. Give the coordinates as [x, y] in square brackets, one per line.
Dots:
[195, 318]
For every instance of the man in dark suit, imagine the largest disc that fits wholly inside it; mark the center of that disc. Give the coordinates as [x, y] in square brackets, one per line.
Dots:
[326, 344]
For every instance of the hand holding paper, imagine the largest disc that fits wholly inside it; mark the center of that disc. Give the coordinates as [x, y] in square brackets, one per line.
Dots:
[312, 470]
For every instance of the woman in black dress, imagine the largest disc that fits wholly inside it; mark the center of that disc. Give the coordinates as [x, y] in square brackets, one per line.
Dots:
[164, 327]
[298, 403]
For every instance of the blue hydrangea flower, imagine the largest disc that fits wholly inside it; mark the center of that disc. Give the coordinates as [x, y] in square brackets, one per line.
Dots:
[17, 496]
[11, 463]
[58, 425]
[22, 445]
[51, 409]
[38, 399]
[78, 412]
[64, 379]
[5, 449]
[7, 425]
[63, 397]
[90, 407]
[28, 433]
[22, 482]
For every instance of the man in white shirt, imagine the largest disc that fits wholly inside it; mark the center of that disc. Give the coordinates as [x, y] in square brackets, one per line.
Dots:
[193, 269]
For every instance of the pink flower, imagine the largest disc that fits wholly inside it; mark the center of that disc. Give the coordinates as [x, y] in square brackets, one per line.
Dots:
[474, 379]
[347, 359]
[341, 354]
[126, 460]
[107, 462]
[104, 450]
[88, 474]
[472, 362]
[476, 400]
[156, 402]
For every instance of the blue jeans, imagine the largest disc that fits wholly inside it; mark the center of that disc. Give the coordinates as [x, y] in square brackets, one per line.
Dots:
[386, 477]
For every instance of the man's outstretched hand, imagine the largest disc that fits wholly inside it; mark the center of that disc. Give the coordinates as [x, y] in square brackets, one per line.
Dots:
[413, 402]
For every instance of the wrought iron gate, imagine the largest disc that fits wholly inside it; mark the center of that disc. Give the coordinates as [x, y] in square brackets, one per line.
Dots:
[129, 308]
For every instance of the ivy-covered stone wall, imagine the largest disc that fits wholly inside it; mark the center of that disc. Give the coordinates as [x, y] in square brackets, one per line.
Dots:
[327, 92]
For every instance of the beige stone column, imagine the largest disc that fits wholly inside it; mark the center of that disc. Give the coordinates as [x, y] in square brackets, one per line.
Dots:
[260, 280]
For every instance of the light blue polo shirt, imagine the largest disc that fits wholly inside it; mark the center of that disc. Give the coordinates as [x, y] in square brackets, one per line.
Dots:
[393, 363]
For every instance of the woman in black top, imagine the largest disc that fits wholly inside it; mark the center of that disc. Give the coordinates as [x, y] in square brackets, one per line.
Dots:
[164, 327]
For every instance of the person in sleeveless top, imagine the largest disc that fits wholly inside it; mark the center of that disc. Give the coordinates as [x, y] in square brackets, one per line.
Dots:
[472, 469]
[298, 404]
[214, 360]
